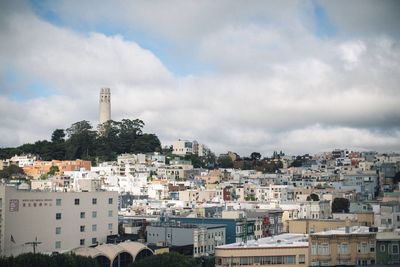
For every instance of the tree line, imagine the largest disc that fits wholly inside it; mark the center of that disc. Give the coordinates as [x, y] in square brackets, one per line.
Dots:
[82, 141]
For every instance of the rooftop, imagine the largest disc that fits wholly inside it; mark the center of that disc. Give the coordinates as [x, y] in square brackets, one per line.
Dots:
[283, 240]
[353, 230]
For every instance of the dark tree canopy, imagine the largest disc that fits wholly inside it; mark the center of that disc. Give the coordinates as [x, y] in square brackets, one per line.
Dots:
[313, 197]
[42, 260]
[225, 161]
[82, 141]
[255, 156]
[340, 205]
[172, 259]
[11, 171]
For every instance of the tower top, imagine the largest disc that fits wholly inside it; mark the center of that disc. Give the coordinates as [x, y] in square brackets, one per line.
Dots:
[105, 91]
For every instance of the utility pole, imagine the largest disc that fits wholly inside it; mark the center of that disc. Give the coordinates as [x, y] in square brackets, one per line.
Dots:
[34, 244]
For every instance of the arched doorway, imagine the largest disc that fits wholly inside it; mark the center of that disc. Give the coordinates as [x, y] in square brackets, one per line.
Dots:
[103, 261]
[124, 260]
[143, 254]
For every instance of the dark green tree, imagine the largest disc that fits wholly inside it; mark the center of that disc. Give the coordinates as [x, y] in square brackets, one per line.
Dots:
[313, 197]
[81, 141]
[172, 259]
[255, 156]
[224, 161]
[340, 205]
[11, 171]
[58, 136]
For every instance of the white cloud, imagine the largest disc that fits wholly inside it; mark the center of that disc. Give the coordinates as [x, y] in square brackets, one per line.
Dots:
[274, 87]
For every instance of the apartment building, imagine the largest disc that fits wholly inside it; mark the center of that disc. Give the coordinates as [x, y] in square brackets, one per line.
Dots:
[204, 237]
[284, 250]
[350, 245]
[60, 221]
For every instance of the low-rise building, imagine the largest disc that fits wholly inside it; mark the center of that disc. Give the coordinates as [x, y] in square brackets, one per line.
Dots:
[204, 238]
[388, 248]
[350, 245]
[283, 250]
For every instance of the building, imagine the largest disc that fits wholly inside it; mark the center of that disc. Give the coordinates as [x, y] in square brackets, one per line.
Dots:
[237, 230]
[204, 238]
[283, 250]
[43, 167]
[350, 245]
[182, 147]
[104, 105]
[61, 221]
[109, 255]
[310, 226]
[388, 248]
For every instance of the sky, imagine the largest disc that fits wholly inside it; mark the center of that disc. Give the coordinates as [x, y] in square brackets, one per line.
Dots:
[297, 76]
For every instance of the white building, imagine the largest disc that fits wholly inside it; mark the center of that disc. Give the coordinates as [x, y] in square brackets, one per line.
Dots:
[182, 147]
[61, 221]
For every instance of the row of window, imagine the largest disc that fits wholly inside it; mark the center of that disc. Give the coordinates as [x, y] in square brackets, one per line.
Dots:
[257, 260]
[81, 242]
[343, 248]
[83, 227]
[77, 201]
[83, 214]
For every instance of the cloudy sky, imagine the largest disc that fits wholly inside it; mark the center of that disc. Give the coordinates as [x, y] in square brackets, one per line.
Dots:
[298, 76]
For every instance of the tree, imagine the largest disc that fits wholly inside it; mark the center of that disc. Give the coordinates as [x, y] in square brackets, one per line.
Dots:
[225, 161]
[53, 170]
[81, 141]
[11, 171]
[58, 136]
[340, 205]
[172, 259]
[313, 197]
[255, 156]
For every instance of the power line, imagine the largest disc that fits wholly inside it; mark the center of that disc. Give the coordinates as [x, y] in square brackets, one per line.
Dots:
[34, 244]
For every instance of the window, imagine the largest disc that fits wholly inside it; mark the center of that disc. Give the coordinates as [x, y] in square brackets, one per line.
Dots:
[344, 248]
[110, 213]
[395, 248]
[94, 201]
[314, 249]
[58, 244]
[58, 202]
[94, 214]
[383, 248]
[82, 215]
[363, 248]
[94, 240]
[76, 201]
[324, 249]
[58, 230]
[94, 227]
[110, 200]
[110, 226]
[302, 258]
[58, 216]
[82, 228]
[82, 242]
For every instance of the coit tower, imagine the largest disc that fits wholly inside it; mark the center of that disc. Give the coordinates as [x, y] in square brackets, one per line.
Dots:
[105, 105]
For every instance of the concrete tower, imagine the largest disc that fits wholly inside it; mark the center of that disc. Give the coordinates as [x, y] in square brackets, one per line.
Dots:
[105, 105]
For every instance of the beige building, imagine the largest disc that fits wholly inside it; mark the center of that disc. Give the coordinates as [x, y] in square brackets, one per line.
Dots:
[61, 221]
[309, 226]
[283, 250]
[351, 245]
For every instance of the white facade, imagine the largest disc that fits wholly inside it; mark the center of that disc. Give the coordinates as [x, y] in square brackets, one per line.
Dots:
[182, 147]
[61, 221]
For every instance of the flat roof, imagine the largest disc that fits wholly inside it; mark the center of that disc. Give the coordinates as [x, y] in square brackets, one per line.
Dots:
[283, 240]
[353, 230]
